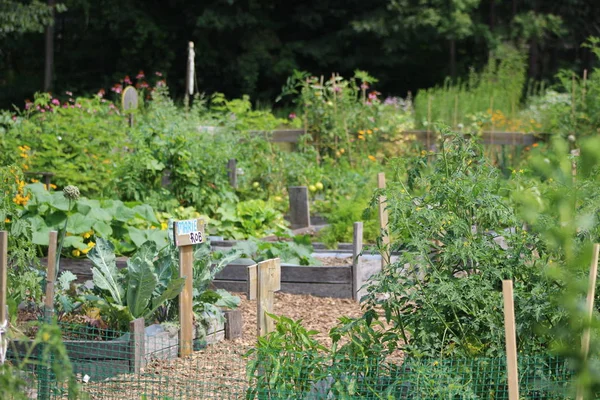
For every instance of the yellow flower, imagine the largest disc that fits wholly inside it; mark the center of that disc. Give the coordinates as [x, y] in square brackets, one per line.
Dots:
[361, 132]
[86, 235]
[34, 180]
[45, 336]
[85, 251]
[372, 158]
[370, 132]
[91, 244]
[361, 137]
[164, 226]
[7, 220]
[53, 186]
[76, 253]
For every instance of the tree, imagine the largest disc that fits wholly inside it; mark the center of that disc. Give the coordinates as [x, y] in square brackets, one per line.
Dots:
[21, 17]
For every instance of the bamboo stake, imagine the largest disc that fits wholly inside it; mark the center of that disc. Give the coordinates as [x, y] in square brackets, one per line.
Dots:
[589, 309]
[456, 112]
[511, 340]
[428, 120]
[186, 314]
[3, 275]
[583, 87]
[50, 275]
[383, 222]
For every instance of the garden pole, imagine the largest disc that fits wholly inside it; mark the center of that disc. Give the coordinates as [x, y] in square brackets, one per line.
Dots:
[232, 172]
[3, 310]
[589, 309]
[511, 340]
[383, 222]
[268, 275]
[50, 276]
[186, 234]
[357, 247]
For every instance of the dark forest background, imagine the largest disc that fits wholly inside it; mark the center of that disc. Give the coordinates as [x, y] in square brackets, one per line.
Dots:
[252, 46]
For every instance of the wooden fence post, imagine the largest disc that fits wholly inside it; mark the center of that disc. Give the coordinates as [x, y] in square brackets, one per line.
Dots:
[3, 275]
[186, 234]
[50, 276]
[268, 281]
[383, 222]
[511, 340]
[232, 172]
[589, 309]
[357, 247]
[299, 207]
[137, 341]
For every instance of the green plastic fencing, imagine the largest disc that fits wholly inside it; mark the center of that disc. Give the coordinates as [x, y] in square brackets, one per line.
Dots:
[129, 365]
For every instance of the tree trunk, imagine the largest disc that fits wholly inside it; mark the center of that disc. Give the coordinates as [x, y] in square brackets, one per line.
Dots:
[49, 62]
[453, 58]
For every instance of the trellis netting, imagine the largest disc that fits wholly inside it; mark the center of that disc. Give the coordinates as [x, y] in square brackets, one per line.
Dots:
[117, 365]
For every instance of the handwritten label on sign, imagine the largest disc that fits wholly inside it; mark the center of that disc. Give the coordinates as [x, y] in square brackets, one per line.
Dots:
[188, 232]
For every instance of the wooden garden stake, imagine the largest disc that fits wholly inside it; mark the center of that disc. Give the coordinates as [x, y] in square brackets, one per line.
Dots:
[299, 207]
[264, 279]
[3, 307]
[383, 222]
[357, 246]
[511, 340]
[232, 172]
[186, 234]
[589, 309]
[50, 275]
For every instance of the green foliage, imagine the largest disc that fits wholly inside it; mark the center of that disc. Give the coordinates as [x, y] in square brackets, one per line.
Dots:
[128, 227]
[498, 87]
[459, 238]
[79, 141]
[17, 17]
[149, 280]
[250, 218]
[298, 251]
[46, 349]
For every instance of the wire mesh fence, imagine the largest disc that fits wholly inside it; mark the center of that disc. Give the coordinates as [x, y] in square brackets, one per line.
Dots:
[144, 365]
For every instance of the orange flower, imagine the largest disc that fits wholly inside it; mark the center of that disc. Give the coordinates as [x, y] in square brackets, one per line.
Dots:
[535, 144]
[372, 158]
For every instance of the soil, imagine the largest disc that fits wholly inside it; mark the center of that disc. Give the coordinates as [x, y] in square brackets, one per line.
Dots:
[335, 261]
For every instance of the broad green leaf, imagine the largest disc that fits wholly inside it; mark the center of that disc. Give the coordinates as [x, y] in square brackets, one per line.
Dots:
[105, 269]
[100, 214]
[123, 213]
[57, 219]
[102, 229]
[59, 201]
[227, 299]
[146, 212]
[142, 279]
[76, 242]
[40, 236]
[79, 224]
[173, 289]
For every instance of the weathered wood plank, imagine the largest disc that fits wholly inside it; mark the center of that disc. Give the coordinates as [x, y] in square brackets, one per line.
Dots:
[299, 207]
[234, 324]
[137, 342]
[337, 290]
[290, 273]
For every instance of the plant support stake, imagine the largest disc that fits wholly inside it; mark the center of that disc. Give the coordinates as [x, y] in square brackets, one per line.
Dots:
[511, 340]
[589, 309]
[3, 310]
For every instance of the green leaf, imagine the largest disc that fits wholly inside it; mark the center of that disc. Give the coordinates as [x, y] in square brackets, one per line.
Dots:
[102, 229]
[105, 269]
[100, 214]
[65, 279]
[59, 201]
[76, 242]
[123, 213]
[227, 299]
[79, 224]
[57, 219]
[142, 279]
[40, 236]
[173, 289]
[146, 212]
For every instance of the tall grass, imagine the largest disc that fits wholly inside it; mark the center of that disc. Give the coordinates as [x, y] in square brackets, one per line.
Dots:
[499, 86]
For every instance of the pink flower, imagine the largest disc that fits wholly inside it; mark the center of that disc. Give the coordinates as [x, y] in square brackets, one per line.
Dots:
[161, 83]
[292, 116]
[69, 93]
[42, 110]
[144, 84]
[101, 93]
[140, 75]
[66, 105]
[364, 86]
[127, 80]
[28, 105]
[78, 105]
[337, 89]
[117, 88]
[158, 73]
[373, 95]
[55, 102]
[14, 117]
